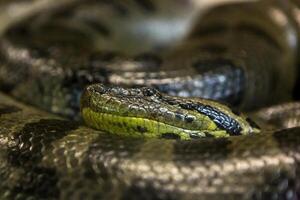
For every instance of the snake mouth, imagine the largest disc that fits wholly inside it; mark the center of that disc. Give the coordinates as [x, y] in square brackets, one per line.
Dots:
[149, 113]
[141, 127]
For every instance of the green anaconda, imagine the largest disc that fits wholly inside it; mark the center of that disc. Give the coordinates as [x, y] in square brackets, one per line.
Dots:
[146, 112]
[242, 54]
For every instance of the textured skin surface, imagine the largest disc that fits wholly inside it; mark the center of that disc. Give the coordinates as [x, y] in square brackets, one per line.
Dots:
[43, 156]
[285, 115]
[15, 11]
[209, 63]
[145, 112]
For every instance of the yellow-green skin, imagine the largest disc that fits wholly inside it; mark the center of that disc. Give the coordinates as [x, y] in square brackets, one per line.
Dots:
[146, 113]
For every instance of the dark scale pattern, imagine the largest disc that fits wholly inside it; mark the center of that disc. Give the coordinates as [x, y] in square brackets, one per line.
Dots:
[149, 61]
[36, 183]
[169, 136]
[55, 87]
[225, 74]
[151, 104]
[27, 152]
[100, 27]
[273, 115]
[249, 28]
[216, 69]
[42, 157]
[147, 192]
[118, 7]
[7, 109]
[77, 162]
[222, 120]
[207, 149]
[34, 138]
[281, 186]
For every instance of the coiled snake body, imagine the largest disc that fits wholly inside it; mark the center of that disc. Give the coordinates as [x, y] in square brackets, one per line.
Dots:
[247, 62]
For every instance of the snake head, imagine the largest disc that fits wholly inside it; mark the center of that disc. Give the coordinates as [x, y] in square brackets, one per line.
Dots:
[148, 113]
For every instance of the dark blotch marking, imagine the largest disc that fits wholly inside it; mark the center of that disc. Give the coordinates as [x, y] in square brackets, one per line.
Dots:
[150, 61]
[202, 149]
[100, 27]
[141, 129]
[296, 89]
[208, 30]
[100, 57]
[278, 184]
[8, 109]
[35, 138]
[170, 136]
[27, 152]
[251, 28]
[222, 120]
[205, 65]
[288, 138]
[148, 57]
[118, 7]
[39, 53]
[148, 192]
[39, 182]
[146, 5]
[213, 48]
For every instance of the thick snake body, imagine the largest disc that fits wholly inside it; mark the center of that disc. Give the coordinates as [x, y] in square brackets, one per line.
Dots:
[43, 156]
[227, 56]
[215, 66]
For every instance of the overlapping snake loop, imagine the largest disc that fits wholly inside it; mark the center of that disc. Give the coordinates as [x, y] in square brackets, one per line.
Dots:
[140, 70]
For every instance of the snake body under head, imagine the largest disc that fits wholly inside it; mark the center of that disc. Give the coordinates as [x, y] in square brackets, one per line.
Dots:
[146, 112]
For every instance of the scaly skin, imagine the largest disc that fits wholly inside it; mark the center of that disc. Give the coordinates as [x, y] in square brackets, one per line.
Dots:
[147, 113]
[45, 157]
[208, 63]
[48, 60]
